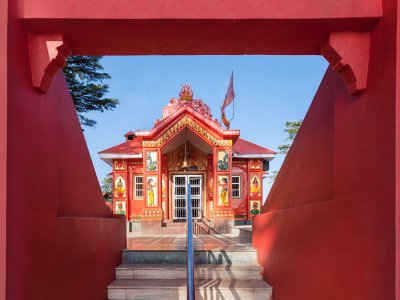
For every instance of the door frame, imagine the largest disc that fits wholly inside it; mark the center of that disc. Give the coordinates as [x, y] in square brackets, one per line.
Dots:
[203, 194]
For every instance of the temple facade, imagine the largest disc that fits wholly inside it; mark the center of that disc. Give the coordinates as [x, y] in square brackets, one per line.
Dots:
[152, 168]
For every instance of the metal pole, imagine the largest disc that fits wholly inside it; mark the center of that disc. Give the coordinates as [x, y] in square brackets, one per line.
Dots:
[189, 247]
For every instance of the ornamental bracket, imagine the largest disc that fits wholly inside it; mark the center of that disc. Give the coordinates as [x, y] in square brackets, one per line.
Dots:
[48, 54]
[348, 55]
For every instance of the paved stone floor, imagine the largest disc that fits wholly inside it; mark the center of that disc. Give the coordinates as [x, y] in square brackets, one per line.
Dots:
[138, 241]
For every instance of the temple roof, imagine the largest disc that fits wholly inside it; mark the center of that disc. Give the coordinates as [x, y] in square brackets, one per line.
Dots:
[132, 148]
[187, 104]
[246, 149]
[129, 149]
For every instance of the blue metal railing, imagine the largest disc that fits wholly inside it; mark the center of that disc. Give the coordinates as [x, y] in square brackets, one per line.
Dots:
[189, 247]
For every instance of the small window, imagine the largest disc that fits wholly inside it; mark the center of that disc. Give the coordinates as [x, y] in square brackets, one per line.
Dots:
[138, 186]
[235, 186]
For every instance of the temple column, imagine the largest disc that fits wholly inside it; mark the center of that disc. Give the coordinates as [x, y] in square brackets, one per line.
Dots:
[222, 213]
[152, 213]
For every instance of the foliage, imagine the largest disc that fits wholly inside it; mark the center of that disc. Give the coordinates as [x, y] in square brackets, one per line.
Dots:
[291, 128]
[272, 176]
[85, 82]
[106, 188]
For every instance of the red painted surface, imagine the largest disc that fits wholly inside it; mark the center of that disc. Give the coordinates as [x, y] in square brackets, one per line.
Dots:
[206, 9]
[323, 239]
[245, 147]
[352, 66]
[48, 54]
[3, 144]
[327, 231]
[128, 147]
[62, 241]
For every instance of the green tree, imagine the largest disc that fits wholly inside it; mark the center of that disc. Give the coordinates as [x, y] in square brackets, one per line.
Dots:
[106, 188]
[85, 81]
[291, 128]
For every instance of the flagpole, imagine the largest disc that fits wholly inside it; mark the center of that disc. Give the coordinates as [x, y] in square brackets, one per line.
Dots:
[229, 97]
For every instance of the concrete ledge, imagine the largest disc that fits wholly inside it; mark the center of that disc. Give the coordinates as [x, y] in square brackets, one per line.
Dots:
[226, 257]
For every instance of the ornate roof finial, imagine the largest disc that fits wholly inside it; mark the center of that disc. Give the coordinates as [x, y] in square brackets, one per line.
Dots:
[186, 93]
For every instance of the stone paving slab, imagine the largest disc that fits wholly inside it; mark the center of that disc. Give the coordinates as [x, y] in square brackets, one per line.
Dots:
[226, 242]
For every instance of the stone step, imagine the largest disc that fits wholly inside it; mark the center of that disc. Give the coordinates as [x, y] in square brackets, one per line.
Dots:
[227, 257]
[172, 230]
[175, 224]
[244, 233]
[204, 272]
[163, 289]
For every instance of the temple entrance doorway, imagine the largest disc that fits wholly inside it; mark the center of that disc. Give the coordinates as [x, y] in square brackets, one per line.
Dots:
[180, 193]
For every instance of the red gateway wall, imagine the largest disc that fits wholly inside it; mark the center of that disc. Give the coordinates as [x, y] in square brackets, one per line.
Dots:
[327, 230]
[330, 226]
[62, 241]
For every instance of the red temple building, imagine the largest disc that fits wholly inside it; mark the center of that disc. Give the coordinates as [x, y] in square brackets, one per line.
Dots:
[151, 169]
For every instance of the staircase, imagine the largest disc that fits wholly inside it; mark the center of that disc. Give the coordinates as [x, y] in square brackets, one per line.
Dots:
[170, 227]
[161, 274]
[201, 227]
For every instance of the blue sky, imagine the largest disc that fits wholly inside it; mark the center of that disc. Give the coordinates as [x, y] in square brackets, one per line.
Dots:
[269, 90]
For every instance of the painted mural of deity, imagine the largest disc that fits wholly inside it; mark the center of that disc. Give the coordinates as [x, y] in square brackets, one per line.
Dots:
[223, 191]
[152, 162]
[119, 187]
[120, 208]
[151, 188]
[255, 207]
[255, 186]
[223, 160]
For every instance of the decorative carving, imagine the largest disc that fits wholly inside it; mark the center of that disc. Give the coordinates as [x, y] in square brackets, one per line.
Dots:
[348, 55]
[48, 54]
[187, 121]
[119, 165]
[152, 214]
[255, 164]
[220, 214]
[240, 164]
[186, 93]
[186, 98]
[136, 168]
[164, 187]
[194, 155]
[210, 188]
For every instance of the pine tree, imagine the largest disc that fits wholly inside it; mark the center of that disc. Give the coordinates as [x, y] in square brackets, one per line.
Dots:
[106, 188]
[85, 82]
[291, 128]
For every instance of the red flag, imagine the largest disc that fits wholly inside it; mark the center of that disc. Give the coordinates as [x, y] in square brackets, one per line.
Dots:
[230, 95]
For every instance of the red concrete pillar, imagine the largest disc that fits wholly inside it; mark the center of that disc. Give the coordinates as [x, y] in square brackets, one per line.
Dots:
[3, 142]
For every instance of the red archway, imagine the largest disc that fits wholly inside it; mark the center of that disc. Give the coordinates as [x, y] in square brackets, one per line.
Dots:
[335, 230]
